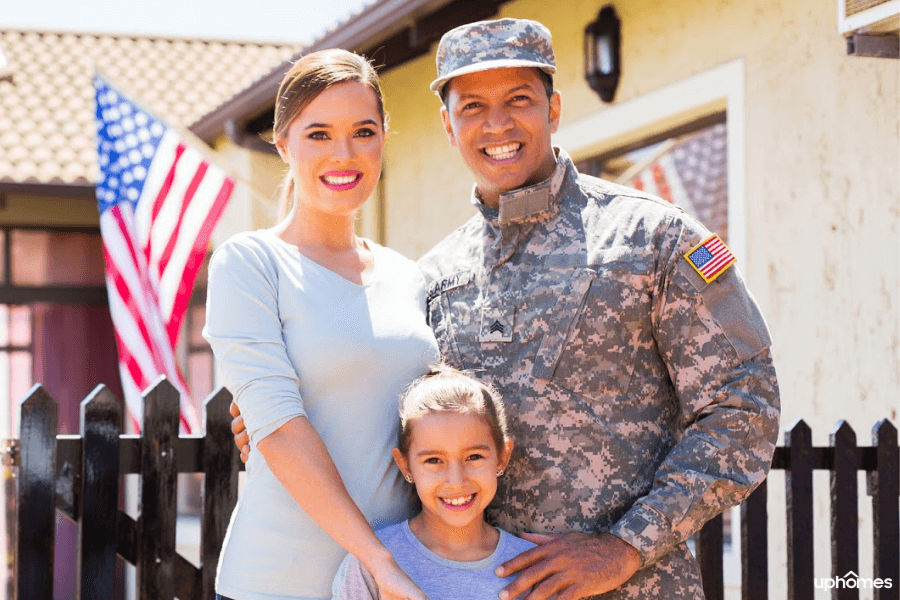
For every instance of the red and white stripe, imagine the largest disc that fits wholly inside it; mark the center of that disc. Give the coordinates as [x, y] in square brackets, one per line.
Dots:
[661, 178]
[721, 260]
[152, 258]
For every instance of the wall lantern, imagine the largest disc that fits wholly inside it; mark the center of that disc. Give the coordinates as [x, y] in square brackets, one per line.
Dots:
[602, 53]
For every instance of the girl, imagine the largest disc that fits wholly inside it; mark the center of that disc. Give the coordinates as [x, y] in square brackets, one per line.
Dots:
[453, 446]
[317, 332]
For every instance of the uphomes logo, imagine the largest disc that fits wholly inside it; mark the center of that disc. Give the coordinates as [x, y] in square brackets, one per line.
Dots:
[852, 581]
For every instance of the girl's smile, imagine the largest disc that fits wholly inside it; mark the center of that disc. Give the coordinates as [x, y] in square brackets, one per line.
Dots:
[459, 503]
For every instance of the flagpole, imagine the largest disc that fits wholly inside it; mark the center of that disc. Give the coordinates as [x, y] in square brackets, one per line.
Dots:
[201, 146]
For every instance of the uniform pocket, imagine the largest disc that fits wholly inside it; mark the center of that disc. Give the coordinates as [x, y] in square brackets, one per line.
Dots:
[605, 321]
[446, 313]
[440, 322]
[567, 310]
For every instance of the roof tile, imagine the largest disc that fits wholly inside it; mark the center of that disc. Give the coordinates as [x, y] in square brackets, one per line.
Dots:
[47, 108]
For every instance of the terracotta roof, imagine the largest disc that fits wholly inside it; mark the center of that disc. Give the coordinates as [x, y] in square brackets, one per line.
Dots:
[47, 97]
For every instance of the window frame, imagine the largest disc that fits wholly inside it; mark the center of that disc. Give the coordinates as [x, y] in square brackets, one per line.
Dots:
[672, 108]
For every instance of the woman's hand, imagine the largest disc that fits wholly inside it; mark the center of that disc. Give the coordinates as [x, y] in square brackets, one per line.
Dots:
[241, 437]
[299, 459]
[393, 582]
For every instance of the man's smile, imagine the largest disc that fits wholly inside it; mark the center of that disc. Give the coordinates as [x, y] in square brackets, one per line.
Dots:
[502, 152]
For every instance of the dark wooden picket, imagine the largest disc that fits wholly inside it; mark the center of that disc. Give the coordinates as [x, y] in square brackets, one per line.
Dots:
[79, 476]
[35, 517]
[101, 415]
[844, 507]
[883, 485]
[709, 555]
[220, 491]
[798, 441]
[755, 545]
[156, 542]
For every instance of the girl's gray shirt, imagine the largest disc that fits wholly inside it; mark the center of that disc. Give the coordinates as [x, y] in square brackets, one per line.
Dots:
[294, 339]
[440, 578]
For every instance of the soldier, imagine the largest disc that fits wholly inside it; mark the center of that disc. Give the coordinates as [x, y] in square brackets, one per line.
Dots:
[633, 359]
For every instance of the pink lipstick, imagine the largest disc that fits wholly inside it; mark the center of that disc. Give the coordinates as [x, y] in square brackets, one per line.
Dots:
[340, 181]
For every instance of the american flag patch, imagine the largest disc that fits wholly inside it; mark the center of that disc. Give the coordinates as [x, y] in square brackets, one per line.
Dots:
[710, 258]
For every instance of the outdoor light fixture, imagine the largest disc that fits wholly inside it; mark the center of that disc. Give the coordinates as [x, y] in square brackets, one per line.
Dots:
[602, 53]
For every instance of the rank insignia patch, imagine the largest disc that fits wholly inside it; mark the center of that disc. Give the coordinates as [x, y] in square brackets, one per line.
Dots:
[710, 258]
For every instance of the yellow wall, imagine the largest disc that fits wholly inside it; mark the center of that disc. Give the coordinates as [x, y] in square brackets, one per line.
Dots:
[253, 203]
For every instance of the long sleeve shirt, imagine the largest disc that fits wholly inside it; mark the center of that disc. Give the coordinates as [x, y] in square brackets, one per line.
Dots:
[294, 339]
[642, 399]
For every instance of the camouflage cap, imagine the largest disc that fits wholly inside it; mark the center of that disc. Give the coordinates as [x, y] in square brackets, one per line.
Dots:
[496, 44]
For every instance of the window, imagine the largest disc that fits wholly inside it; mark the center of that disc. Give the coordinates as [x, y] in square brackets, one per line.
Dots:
[688, 167]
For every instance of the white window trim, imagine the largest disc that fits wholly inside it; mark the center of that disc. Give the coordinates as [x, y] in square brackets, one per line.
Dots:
[719, 89]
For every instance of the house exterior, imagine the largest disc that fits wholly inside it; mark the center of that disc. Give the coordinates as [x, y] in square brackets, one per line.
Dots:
[792, 143]
[55, 326]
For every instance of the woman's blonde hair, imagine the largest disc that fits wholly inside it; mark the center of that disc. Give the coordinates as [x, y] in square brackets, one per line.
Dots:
[445, 389]
[307, 78]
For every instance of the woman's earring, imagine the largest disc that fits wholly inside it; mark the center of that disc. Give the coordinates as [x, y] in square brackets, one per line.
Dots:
[408, 478]
[499, 472]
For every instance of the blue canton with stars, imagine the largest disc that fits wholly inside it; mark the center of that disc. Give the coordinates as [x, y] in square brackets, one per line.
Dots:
[700, 256]
[127, 139]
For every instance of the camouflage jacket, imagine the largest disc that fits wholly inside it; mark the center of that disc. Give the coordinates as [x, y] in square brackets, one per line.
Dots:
[642, 400]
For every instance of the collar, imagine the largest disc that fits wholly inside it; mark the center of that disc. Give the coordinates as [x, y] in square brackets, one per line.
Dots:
[528, 203]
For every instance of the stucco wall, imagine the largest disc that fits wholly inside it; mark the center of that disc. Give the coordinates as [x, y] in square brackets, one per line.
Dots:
[253, 202]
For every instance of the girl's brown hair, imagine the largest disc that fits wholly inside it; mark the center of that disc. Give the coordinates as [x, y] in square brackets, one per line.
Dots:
[306, 79]
[445, 389]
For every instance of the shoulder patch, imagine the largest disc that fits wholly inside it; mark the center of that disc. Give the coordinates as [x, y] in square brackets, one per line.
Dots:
[710, 258]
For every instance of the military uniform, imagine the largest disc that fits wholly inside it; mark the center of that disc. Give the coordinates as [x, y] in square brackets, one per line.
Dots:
[642, 399]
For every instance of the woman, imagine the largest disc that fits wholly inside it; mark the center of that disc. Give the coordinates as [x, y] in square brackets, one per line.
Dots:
[317, 332]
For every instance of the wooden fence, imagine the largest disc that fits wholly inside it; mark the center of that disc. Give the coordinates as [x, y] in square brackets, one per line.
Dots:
[798, 458]
[79, 475]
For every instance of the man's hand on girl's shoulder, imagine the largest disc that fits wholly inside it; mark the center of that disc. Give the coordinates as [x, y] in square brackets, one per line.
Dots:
[570, 566]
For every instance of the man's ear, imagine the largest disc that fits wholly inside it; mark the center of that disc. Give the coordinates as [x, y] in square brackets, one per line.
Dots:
[555, 110]
[448, 126]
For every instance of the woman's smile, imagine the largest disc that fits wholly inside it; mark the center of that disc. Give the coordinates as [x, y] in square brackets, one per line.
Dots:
[341, 180]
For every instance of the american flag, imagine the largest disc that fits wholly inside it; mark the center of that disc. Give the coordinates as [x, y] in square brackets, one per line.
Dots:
[159, 200]
[710, 258]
